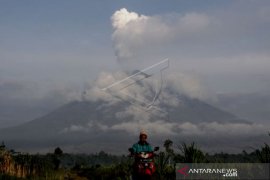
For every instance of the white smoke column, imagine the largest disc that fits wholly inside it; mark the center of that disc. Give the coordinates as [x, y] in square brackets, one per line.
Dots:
[122, 20]
[134, 32]
[122, 17]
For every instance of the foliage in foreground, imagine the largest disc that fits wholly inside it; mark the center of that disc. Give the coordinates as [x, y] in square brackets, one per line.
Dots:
[59, 165]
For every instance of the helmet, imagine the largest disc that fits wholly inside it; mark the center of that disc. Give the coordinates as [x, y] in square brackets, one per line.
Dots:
[143, 133]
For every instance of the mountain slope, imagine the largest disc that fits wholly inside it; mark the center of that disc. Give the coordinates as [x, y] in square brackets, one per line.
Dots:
[253, 106]
[81, 122]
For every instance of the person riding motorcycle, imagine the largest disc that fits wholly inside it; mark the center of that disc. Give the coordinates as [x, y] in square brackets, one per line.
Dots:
[142, 145]
[142, 151]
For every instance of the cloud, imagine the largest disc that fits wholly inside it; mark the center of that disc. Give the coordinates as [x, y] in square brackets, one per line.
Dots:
[75, 128]
[158, 127]
[13, 89]
[231, 40]
[134, 117]
[23, 101]
[264, 13]
[181, 129]
[122, 17]
[201, 129]
[84, 128]
[95, 93]
[244, 63]
[186, 84]
[133, 31]
[143, 92]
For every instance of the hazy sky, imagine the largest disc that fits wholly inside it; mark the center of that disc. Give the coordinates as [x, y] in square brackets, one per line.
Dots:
[47, 47]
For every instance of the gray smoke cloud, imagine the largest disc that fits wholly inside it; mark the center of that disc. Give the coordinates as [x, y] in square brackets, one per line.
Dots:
[222, 46]
[134, 32]
[177, 82]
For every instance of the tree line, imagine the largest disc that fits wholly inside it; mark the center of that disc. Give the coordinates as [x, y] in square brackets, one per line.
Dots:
[60, 165]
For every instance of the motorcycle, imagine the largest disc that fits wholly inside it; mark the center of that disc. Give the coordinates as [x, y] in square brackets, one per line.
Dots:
[144, 165]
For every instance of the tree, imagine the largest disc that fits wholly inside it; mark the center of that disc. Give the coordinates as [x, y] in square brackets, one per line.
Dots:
[165, 169]
[2, 146]
[56, 158]
[58, 151]
[168, 146]
[168, 149]
[264, 154]
[191, 154]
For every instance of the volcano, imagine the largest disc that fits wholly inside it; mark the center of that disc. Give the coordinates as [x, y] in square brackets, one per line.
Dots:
[89, 126]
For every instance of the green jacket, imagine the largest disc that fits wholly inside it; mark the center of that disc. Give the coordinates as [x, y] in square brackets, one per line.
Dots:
[142, 147]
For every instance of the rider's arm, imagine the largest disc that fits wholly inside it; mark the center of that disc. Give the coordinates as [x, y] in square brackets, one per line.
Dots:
[150, 149]
[135, 148]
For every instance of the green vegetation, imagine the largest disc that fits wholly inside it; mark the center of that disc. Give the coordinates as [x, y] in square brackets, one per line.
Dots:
[264, 154]
[60, 165]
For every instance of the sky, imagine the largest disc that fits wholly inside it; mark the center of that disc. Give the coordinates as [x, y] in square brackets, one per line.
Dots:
[51, 51]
